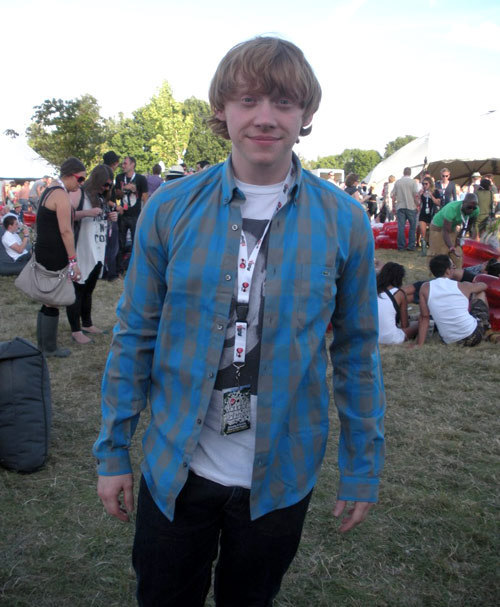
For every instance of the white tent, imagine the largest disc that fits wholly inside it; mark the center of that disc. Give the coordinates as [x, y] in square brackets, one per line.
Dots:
[473, 145]
[19, 161]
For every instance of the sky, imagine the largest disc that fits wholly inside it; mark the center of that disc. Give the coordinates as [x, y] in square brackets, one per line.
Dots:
[387, 68]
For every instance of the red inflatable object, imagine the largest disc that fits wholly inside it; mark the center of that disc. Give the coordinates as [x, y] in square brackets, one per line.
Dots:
[29, 219]
[376, 231]
[383, 241]
[495, 319]
[493, 290]
[467, 261]
[479, 250]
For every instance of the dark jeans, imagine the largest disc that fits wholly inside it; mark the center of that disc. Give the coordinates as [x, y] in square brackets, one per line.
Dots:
[173, 560]
[110, 257]
[402, 215]
[125, 223]
[82, 308]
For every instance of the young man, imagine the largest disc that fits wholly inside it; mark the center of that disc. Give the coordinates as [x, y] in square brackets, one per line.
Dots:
[459, 309]
[405, 203]
[16, 247]
[132, 189]
[235, 275]
[443, 236]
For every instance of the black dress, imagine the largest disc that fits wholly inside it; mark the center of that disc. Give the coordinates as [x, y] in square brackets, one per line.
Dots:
[49, 247]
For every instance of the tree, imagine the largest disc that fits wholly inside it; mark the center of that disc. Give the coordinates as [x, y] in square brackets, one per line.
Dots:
[203, 143]
[68, 128]
[398, 143]
[157, 131]
[351, 161]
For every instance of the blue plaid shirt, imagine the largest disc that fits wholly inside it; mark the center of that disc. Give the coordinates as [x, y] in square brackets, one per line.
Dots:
[171, 328]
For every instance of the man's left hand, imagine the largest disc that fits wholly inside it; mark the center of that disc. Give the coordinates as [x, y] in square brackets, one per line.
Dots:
[355, 515]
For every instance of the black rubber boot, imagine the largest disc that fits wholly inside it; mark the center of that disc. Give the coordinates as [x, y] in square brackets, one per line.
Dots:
[47, 336]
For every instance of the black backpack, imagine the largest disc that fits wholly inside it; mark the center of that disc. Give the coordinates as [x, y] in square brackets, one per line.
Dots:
[25, 406]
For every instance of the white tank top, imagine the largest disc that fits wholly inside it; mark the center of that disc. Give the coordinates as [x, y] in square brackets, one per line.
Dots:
[450, 309]
[388, 332]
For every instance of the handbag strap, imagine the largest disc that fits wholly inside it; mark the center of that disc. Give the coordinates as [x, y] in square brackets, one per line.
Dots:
[395, 304]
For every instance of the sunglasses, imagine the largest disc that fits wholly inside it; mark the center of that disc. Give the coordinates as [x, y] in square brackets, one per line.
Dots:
[446, 176]
[79, 178]
[106, 186]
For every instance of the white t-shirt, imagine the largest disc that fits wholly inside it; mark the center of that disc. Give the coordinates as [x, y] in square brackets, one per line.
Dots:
[228, 459]
[9, 239]
[91, 245]
[388, 332]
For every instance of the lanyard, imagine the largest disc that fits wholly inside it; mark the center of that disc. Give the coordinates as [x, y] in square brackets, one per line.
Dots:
[246, 267]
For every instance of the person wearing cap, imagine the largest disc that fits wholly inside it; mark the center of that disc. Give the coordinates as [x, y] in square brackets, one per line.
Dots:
[175, 172]
[475, 182]
[443, 236]
[17, 211]
[132, 189]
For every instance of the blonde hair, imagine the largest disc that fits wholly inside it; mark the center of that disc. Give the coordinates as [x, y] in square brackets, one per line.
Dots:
[267, 65]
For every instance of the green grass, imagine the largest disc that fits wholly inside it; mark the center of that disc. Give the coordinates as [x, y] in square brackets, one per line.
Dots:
[431, 540]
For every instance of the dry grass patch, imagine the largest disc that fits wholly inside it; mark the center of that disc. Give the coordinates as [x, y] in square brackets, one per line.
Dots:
[431, 540]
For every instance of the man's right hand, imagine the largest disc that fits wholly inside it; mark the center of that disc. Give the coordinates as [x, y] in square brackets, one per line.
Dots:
[109, 489]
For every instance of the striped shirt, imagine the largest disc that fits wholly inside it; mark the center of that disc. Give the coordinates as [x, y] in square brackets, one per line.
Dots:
[171, 328]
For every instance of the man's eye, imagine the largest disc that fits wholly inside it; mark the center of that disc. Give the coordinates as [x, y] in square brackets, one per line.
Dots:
[247, 99]
[284, 101]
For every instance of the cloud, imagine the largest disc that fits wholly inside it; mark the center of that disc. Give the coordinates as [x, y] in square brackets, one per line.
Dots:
[482, 36]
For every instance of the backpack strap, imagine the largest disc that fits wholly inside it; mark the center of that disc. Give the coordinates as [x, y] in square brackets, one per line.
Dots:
[395, 304]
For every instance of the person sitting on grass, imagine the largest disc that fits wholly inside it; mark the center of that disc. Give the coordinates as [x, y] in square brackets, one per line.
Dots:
[459, 309]
[17, 248]
[393, 306]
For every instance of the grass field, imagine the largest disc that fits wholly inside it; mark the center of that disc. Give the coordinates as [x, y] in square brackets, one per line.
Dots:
[431, 541]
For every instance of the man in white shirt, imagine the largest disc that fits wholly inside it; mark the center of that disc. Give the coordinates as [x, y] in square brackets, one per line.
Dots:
[15, 247]
[405, 200]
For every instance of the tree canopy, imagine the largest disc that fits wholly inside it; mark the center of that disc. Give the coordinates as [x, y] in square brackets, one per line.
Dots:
[399, 142]
[203, 143]
[60, 129]
[351, 161]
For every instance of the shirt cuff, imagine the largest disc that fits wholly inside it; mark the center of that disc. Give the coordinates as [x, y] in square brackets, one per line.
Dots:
[358, 489]
[114, 464]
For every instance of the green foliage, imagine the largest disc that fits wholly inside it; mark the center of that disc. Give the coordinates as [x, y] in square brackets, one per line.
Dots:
[68, 128]
[157, 131]
[203, 143]
[398, 143]
[351, 160]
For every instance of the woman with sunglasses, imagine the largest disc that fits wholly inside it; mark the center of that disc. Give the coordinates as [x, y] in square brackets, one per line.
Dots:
[55, 245]
[429, 206]
[90, 249]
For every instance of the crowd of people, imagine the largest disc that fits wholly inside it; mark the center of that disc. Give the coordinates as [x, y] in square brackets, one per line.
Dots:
[91, 220]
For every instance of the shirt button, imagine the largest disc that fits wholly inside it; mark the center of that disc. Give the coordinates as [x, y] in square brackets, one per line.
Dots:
[220, 327]
[228, 276]
[184, 464]
[210, 374]
[198, 421]
[234, 227]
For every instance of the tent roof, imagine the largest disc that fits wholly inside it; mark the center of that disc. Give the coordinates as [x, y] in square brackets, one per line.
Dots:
[473, 145]
[19, 161]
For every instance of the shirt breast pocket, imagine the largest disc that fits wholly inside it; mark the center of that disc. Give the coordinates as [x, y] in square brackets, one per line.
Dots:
[316, 291]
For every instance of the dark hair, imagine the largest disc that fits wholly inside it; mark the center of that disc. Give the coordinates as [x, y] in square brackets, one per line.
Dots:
[97, 178]
[110, 158]
[71, 166]
[351, 179]
[390, 274]
[202, 163]
[9, 220]
[493, 267]
[156, 169]
[132, 159]
[439, 264]
[485, 184]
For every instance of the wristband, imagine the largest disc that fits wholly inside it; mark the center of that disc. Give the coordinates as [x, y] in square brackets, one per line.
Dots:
[72, 259]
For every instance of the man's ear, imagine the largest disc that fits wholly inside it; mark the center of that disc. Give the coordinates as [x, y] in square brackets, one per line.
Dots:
[220, 115]
[306, 121]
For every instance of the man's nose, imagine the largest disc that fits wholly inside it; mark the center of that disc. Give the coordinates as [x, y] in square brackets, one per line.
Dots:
[265, 114]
